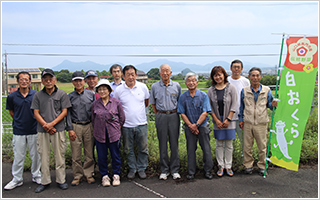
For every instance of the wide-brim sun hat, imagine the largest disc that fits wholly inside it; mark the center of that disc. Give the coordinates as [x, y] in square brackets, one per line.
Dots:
[103, 82]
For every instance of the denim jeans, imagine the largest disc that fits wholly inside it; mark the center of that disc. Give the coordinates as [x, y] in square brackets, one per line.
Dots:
[138, 134]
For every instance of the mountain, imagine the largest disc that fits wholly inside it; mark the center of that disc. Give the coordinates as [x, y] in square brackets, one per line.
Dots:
[176, 67]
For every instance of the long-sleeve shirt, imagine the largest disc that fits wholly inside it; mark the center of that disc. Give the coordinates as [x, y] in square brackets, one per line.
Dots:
[256, 94]
[81, 107]
[110, 116]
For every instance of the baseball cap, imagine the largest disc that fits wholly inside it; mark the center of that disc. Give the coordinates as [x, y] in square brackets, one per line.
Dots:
[103, 82]
[77, 75]
[47, 71]
[91, 73]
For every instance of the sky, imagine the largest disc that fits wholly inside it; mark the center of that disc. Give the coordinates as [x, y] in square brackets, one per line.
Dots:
[139, 32]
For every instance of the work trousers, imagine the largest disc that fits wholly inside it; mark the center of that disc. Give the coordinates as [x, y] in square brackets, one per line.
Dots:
[84, 138]
[59, 146]
[168, 126]
[204, 141]
[19, 145]
[259, 133]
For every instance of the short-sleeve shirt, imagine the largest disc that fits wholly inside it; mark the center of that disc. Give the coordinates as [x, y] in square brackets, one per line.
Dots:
[114, 87]
[23, 122]
[193, 107]
[133, 103]
[165, 97]
[50, 106]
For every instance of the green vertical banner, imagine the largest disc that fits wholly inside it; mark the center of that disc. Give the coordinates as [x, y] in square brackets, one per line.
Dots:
[296, 94]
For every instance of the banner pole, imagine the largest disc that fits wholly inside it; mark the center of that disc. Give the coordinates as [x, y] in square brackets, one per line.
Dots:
[275, 95]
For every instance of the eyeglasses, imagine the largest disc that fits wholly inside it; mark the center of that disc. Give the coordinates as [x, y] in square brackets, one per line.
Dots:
[24, 79]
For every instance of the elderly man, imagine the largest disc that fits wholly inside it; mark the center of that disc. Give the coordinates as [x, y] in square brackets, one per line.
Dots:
[116, 72]
[92, 78]
[194, 106]
[50, 107]
[80, 130]
[24, 127]
[164, 97]
[134, 97]
[253, 119]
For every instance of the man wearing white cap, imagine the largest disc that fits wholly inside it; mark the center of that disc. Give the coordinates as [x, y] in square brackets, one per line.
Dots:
[80, 130]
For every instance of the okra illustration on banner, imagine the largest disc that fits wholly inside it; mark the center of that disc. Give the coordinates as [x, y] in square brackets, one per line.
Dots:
[296, 91]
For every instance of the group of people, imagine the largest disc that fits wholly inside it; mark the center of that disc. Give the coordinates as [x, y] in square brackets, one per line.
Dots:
[101, 114]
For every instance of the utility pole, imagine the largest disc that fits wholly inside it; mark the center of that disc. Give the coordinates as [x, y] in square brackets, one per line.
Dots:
[6, 66]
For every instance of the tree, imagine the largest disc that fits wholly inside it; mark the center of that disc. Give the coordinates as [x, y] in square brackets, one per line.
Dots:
[154, 74]
[64, 76]
[268, 80]
[178, 77]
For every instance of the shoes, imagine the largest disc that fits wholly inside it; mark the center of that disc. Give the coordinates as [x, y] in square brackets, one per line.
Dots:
[11, 185]
[142, 174]
[105, 181]
[40, 188]
[91, 180]
[164, 176]
[131, 175]
[230, 172]
[75, 181]
[261, 172]
[37, 180]
[63, 186]
[176, 176]
[248, 170]
[208, 175]
[116, 180]
[190, 176]
[220, 172]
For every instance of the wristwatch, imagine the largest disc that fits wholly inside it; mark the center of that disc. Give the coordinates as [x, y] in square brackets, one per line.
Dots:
[197, 124]
[228, 119]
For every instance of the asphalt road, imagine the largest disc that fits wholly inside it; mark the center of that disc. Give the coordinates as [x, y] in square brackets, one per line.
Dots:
[280, 183]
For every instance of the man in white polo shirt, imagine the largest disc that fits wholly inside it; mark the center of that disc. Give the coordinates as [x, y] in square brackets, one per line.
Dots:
[134, 97]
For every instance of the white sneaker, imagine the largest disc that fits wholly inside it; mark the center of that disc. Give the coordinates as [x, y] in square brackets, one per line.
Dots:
[163, 176]
[37, 180]
[11, 185]
[116, 180]
[105, 181]
[176, 176]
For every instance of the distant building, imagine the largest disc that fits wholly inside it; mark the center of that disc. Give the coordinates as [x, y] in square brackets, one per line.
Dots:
[142, 77]
[12, 81]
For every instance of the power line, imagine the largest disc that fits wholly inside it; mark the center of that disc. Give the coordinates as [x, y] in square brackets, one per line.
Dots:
[140, 55]
[137, 45]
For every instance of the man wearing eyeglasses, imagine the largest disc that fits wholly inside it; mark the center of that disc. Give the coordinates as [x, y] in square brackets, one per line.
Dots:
[24, 127]
[50, 108]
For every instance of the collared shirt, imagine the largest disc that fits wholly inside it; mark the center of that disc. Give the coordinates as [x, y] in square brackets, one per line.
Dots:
[96, 94]
[256, 94]
[110, 116]
[165, 97]
[193, 107]
[114, 86]
[50, 106]
[133, 103]
[81, 107]
[23, 122]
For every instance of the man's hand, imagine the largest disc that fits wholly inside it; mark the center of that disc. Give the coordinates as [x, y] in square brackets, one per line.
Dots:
[52, 131]
[274, 103]
[194, 129]
[72, 135]
[48, 126]
[241, 124]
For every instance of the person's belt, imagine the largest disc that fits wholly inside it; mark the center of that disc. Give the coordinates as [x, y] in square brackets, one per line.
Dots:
[168, 111]
[81, 123]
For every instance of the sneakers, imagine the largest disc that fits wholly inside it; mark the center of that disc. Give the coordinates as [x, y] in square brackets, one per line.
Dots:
[164, 176]
[142, 174]
[105, 181]
[261, 172]
[75, 182]
[116, 180]
[11, 185]
[37, 180]
[176, 176]
[90, 180]
[248, 170]
[131, 175]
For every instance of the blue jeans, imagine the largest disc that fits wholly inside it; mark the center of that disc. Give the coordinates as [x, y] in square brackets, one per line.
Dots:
[138, 134]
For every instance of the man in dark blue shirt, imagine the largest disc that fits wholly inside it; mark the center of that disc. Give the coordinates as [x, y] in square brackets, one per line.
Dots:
[24, 131]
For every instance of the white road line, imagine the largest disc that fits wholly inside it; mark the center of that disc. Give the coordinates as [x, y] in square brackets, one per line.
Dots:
[148, 189]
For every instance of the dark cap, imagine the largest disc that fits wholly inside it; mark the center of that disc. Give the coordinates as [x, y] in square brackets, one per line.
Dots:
[77, 75]
[47, 71]
[91, 73]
